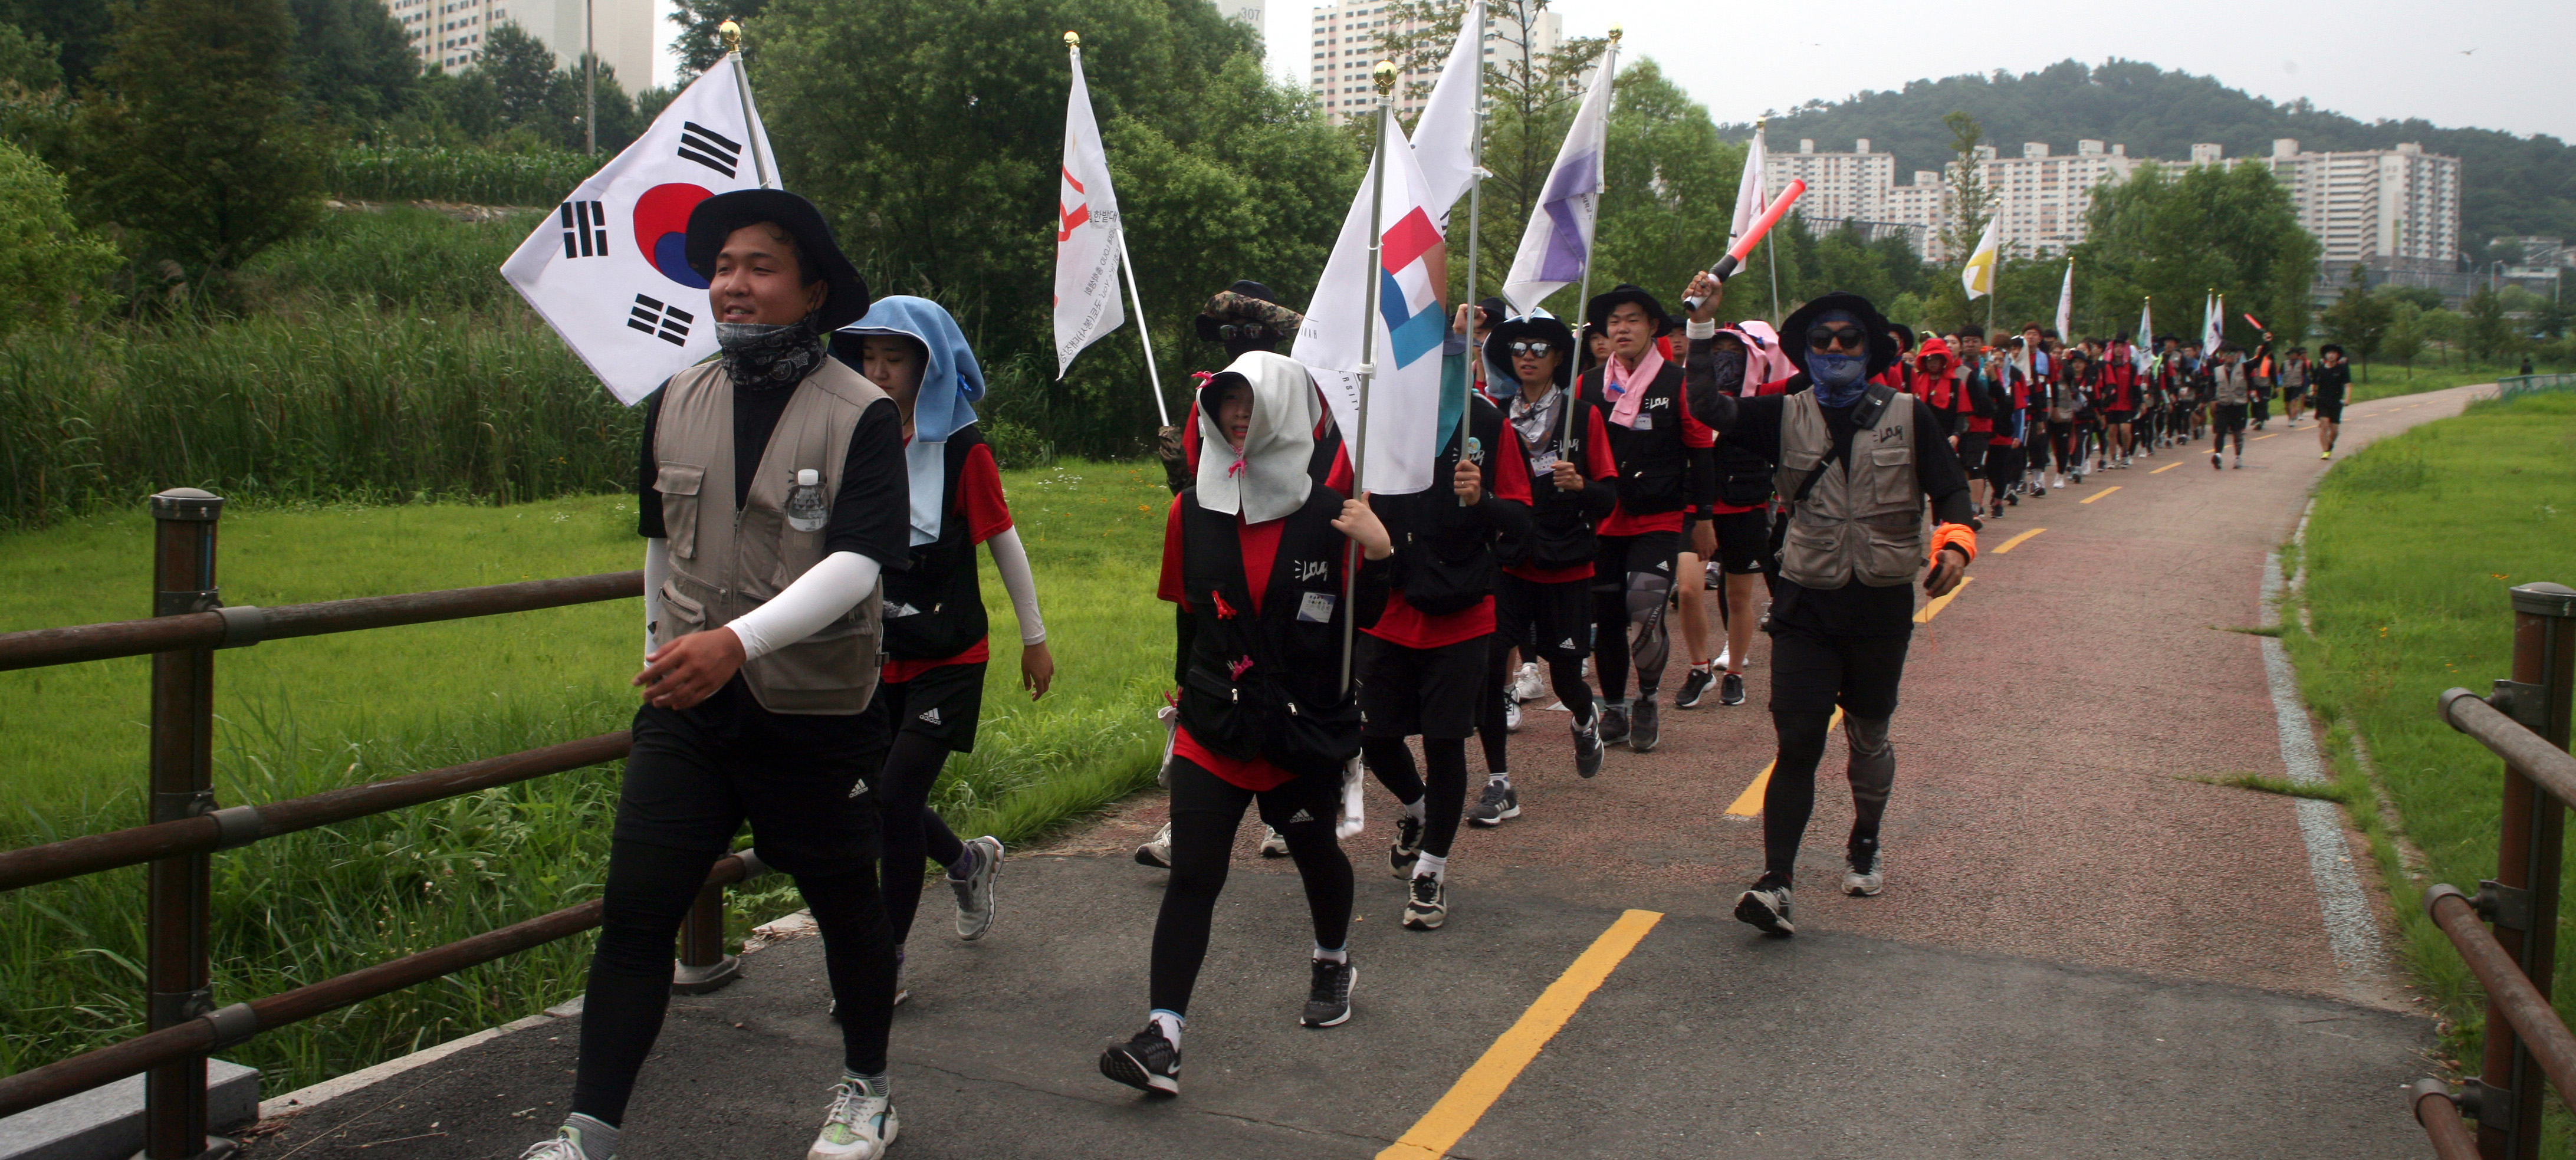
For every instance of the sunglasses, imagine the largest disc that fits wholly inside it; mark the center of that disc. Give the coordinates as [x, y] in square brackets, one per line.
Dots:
[1533, 348]
[1829, 337]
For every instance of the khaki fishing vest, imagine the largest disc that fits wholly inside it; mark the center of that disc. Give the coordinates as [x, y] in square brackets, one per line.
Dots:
[1862, 520]
[726, 562]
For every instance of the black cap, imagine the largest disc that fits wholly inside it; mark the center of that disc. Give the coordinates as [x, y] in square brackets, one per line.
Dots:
[716, 218]
[1597, 311]
[1882, 345]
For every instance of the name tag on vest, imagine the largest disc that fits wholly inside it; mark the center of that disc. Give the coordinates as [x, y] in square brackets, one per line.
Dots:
[1316, 608]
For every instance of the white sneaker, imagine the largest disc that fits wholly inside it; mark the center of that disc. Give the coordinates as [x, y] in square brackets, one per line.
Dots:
[566, 1145]
[1273, 843]
[975, 891]
[1528, 686]
[1723, 655]
[1868, 881]
[1511, 715]
[1157, 850]
[859, 1126]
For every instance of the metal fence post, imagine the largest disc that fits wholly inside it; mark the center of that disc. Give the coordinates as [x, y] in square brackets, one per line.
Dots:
[2533, 834]
[177, 920]
[704, 966]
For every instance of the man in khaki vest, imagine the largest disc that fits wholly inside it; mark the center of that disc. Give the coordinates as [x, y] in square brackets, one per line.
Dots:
[772, 492]
[1857, 462]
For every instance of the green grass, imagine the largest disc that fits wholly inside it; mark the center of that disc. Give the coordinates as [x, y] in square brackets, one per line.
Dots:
[2388, 380]
[2410, 550]
[441, 173]
[298, 716]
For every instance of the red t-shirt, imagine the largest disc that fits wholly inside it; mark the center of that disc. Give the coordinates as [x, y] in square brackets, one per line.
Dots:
[1260, 545]
[1403, 624]
[1597, 465]
[978, 502]
[1695, 434]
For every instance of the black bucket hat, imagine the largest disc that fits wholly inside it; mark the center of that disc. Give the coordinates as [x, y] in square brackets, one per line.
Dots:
[1248, 303]
[1597, 311]
[1540, 325]
[716, 218]
[1882, 345]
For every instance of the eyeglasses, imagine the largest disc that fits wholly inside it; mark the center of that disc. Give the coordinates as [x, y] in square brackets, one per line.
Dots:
[1532, 348]
[1846, 337]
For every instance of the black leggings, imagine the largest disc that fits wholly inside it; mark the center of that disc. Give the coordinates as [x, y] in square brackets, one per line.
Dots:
[1392, 763]
[648, 893]
[1206, 809]
[1489, 721]
[1811, 675]
[911, 829]
[2062, 446]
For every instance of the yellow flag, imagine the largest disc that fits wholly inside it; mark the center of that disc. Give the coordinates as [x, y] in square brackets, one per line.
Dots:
[1979, 275]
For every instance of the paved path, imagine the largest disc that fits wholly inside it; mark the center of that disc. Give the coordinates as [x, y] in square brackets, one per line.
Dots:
[2082, 951]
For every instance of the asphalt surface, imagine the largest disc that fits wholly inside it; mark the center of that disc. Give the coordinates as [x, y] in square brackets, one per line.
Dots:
[2082, 950]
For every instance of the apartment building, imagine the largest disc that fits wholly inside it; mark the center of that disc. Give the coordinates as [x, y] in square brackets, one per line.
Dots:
[1350, 35]
[450, 34]
[2400, 203]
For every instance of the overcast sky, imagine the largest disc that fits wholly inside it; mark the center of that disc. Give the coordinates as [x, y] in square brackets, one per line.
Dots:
[2490, 64]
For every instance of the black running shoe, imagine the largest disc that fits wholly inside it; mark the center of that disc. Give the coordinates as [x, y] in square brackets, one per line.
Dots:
[1694, 686]
[1500, 803]
[1588, 748]
[1406, 847]
[1328, 997]
[1766, 906]
[1644, 727]
[1148, 1063]
[1731, 690]
[1613, 723]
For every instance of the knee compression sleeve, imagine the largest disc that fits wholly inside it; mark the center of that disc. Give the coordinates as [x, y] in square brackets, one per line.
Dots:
[1872, 773]
[1648, 595]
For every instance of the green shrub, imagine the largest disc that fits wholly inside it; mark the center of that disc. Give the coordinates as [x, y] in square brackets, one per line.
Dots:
[402, 258]
[440, 173]
[51, 272]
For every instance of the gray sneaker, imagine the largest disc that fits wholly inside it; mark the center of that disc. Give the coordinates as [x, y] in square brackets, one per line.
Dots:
[1766, 906]
[1273, 843]
[566, 1144]
[1501, 802]
[859, 1125]
[1644, 730]
[975, 890]
[1613, 722]
[1157, 850]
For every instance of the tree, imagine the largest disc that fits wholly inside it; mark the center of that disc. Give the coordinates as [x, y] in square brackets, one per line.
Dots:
[2442, 326]
[2403, 341]
[2358, 319]
[199, 149]
[353, 59]
[27, 61]
[1669, 197]
[52, 273]
[697, 42]
[521, 70]
[2178, 236]
[2489, 334]
[1972, 204]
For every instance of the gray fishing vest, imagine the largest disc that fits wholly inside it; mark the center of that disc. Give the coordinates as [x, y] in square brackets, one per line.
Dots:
[1861, 520]
[726, 562]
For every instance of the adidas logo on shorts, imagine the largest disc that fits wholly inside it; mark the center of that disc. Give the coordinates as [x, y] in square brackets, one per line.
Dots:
[1300, 816]
[858, 789]
[931, 714]
[1568, 644]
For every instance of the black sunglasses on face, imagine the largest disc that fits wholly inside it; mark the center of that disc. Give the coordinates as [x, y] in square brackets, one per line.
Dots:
[1533, 348]
[1847, 337]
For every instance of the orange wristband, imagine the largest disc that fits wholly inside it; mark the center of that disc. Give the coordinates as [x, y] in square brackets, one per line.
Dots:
[1960, 536]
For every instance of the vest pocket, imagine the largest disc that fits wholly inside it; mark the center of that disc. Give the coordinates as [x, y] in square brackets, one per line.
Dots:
[680, 616]
[679, 484]
[1893, 551]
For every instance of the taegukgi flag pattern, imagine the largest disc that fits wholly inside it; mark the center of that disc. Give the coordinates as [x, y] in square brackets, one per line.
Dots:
[1403, 433]
[1086, 233]
[1558, 238]
[609, 268]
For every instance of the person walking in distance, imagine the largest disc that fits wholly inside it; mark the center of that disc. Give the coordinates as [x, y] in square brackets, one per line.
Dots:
[1857, 464]
[2294, 383]
[1256, 555]
[1747, 364]
[2326, 388]
[1665, 465]
[2117, 386]
[771, 491]
[2229, 389]
[1430, 663]
[936, 645]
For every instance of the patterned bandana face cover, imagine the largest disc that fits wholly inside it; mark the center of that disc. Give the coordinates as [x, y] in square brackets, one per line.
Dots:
[765, 357]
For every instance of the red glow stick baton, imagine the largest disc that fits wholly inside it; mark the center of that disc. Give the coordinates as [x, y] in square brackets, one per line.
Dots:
[1734, 259]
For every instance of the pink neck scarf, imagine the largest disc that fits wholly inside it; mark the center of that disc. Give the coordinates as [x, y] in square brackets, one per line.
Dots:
[1619, 386]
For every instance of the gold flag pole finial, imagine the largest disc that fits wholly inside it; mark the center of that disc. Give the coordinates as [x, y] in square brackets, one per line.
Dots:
[731, 34]
[1072, 39]
[1385, 74]
[1617, 31]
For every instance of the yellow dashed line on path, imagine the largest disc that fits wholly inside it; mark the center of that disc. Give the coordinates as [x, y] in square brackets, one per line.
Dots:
[2009, 545]
[2164, 469]
[2260, 438]
[2110, 489]
[1440, 1128]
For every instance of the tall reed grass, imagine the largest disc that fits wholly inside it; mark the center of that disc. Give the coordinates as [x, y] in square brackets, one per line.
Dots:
[442, 173]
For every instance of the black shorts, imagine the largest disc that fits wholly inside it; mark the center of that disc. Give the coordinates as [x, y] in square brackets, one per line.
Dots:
[942, 703]
[1742, 538]
[1432, 692]
[697, 774]
[1972, 450]
[2118, 417]
[1812, 672]
[1650, 552]
[2293, 394]
[2228, 418]
[2330, 410]
[1545, 620]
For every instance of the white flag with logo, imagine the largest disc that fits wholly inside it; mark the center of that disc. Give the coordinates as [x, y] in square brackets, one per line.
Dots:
[2066, 305]
[1444, 140]
[1086, 233]
[1558, 240]
[1751, 196]
[609, 269]
[1403, 430]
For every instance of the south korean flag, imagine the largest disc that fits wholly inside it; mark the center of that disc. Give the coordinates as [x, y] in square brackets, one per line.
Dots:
[609, 270]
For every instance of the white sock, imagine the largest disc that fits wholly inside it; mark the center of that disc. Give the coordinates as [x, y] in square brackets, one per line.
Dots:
[1498, 777]
[1169, 1024]
[1432, 866]
[1419, 808]
[1343, 955]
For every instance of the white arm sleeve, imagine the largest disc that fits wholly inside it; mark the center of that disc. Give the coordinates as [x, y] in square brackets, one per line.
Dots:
[825, 593]
[1012, 561]
[657, 569]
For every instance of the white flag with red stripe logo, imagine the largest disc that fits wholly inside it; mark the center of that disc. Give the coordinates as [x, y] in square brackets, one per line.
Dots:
[1086, 233]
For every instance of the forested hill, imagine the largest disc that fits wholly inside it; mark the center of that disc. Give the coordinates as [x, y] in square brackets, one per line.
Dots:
[2510, 185]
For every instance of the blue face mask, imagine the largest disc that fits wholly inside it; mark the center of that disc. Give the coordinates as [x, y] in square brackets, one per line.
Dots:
[1837, 378]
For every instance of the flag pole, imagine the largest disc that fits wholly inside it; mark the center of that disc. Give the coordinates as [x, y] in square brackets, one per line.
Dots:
[1475, 196]
[1127, 267]
[731, 34]
[1583, 294]
[1385, 77]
